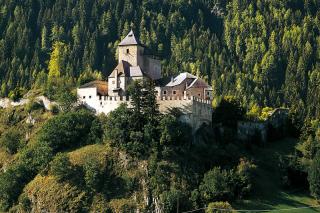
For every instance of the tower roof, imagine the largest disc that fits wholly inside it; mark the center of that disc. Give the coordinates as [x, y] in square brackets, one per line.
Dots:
[130, 39]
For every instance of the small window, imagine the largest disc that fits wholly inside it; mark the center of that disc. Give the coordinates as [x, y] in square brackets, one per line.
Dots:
[174, 92]
[165, 92]
[208, 93]
[128, 51]
[199, 95]
[113, 82]
[90, 97]
[84, 97]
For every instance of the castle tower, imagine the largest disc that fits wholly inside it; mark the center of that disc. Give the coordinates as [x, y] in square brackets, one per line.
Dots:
[131, 50]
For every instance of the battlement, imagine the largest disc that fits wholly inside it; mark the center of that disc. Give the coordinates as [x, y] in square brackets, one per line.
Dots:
[195, 111]
[104, 99]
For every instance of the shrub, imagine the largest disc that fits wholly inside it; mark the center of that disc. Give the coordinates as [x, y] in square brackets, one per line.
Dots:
[11, 184]
[314, 176]
[92, 174]
[33, 105]
[11, 140]
[215, 185]
[16, 94]
[245, 172]
[67, 130]
[218, 207]
[174, 132]
[61, 167]
[66, 100]
[54, 109]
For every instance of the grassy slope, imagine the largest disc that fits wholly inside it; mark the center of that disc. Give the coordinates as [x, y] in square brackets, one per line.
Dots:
[269, 193]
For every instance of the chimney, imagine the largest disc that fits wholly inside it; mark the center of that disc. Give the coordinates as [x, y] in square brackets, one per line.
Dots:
[172, 79]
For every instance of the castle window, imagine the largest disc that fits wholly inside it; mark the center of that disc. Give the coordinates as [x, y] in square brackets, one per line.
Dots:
[199, 95]
[113, 82]
[174, 92]
[128, 51]
[90, 97]
[84, 97]
[165, 92]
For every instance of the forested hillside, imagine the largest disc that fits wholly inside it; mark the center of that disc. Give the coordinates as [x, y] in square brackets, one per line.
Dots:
[256, 54]
[265, 52]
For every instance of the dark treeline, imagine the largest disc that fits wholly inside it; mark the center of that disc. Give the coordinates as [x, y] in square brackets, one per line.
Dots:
[265, 52]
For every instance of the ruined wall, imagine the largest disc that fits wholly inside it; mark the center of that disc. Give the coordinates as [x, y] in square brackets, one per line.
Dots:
[248, 130]
[195, 111]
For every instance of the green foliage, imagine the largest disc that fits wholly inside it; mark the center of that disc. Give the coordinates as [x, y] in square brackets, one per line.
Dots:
[33, 105]
[11, 184]
[135, 129]
[216, 186]
[218, 207]
[219, 184]
[57, 58]
[11, 140]
[66, 100]
[314, 177]
[16, 94]
[61, 167]
[89, 76]
[173, 132]
[92, 174]
[228, 112]
[67, 130]
[117, 126]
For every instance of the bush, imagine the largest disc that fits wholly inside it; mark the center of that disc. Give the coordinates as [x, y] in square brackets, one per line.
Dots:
[218, 207]
[11, 184]
[54, 109]
[215, 185]
[174, 132]
[224, 185]
[61, 167]
[92, 174]
[11, 140]
[16, 94]
[245, 172]
[67, 130]
[33, 105]
[314, 177]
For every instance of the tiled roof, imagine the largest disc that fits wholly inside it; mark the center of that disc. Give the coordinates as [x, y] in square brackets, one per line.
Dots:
[102, 87]
[130, 39]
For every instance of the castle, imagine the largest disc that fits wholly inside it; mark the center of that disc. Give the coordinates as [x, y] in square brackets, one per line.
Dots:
[185, 91]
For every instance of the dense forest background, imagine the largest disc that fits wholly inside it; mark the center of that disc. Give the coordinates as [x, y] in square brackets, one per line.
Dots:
[264, 52]
[256, 54]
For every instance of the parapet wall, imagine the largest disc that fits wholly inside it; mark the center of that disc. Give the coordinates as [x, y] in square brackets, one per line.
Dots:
[195, 111]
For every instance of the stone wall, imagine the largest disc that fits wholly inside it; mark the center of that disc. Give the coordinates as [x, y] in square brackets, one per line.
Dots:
[248, 130]
[194, 111]
[152, 67]
[134, 56]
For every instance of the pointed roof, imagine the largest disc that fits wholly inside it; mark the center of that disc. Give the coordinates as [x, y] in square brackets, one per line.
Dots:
[130, 39]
